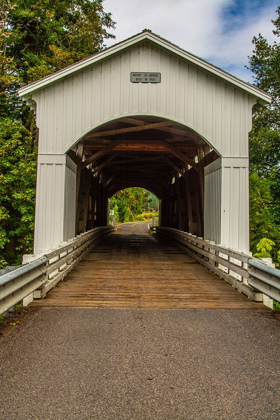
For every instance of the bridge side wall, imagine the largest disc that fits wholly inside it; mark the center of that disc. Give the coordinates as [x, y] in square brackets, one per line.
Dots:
[212, 201]
[226, 216]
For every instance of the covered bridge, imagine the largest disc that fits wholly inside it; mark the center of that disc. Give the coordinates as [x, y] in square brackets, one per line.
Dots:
[143, 113]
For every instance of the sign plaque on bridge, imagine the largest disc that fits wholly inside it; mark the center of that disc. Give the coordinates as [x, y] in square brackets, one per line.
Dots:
[142, 77]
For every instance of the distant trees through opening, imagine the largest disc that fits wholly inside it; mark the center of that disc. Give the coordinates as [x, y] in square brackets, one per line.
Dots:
[133, 204]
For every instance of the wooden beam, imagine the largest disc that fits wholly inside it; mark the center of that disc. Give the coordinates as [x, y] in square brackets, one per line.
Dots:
[79, 157]
[179, 154]
[138, 159]
[133, 121]
[178, 131]
[178, 170]
[198, 213]
[103, 164]
[110, 180]
[101, 153]
[200, 155]
[185, 133]
[136, 169]
[142, 146]
[96, 141]
[206, 149]
[189, 207]
[138, 128]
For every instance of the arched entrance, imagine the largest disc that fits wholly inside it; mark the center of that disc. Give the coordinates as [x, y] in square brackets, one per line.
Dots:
[148, 151]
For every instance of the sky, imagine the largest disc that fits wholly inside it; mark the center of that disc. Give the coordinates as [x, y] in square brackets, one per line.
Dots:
[219, 31]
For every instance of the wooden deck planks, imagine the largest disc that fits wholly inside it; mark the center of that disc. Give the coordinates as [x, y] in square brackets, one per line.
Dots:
[137, 271]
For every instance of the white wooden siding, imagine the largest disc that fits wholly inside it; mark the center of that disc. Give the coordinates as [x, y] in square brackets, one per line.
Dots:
[218, 111]
[226, 215]
[55, 201]
[212, 201]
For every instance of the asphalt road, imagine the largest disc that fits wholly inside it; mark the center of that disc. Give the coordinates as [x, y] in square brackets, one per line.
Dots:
[135, 228]
[77, 363]
[141, 364]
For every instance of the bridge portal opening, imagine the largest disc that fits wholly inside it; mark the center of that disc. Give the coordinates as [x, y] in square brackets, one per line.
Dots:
[133, 204]
[159, 155]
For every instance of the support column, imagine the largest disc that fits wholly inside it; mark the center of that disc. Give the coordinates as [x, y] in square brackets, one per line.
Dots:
[55, 201]
[227, 202]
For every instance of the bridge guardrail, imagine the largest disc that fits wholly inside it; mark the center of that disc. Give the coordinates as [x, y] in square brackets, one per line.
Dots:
[247, 274]
[265, 279]
[43, 273]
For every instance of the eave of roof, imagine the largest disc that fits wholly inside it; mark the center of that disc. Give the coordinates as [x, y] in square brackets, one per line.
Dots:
[146, 34]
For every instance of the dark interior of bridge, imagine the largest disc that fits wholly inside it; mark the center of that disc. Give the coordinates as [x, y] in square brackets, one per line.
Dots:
[159, 155]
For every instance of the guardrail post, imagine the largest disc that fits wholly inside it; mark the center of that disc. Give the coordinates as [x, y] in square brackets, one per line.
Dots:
[267, 301]
[27, 258]
[213, 252]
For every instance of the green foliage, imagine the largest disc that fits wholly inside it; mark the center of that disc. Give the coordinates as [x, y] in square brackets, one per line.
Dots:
[265, 146]
[263, 222]
[46, 35]
[264, 248]
[129, 204]
[37, 37]
[17, 189]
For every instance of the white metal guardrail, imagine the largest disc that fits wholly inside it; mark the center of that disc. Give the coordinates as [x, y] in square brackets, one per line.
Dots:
[248, 275]
[265, 279]
[40, 275]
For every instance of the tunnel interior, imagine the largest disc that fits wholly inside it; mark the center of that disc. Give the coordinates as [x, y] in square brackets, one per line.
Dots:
[157, 154]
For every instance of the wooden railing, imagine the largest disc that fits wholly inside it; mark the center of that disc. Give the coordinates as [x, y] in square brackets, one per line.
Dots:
[249, 275]
[41, 274]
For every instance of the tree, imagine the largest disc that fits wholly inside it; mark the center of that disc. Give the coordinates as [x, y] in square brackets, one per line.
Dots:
[265, 143]
[37, 37]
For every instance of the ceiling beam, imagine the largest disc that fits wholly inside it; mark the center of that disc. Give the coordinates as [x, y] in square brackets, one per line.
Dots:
[138, 128]
[138, 159]
[136, 169]
[177, 169]
[179, 154]
[99, 154]
[103, 164]
[142, 146]
[110, 180]
[185, 133]
[133, 121]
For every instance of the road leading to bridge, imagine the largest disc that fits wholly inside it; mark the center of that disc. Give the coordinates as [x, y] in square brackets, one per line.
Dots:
[99, 363]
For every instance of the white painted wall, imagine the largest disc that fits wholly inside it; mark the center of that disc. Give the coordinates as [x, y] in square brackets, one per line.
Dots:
[218, 111]
[67, 110]
[226, 218]
[55, 201]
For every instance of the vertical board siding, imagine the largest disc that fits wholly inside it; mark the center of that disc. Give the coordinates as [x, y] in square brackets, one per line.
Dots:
[55, 205]
[70, 204]
[235, 208]
[212, 206]
[188, 95]
[49, 207]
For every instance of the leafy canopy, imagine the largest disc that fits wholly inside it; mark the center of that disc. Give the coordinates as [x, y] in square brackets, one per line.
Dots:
[37, 37]
[265, 145]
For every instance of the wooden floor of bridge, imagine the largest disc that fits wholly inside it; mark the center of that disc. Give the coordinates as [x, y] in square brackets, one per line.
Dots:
[138, 271]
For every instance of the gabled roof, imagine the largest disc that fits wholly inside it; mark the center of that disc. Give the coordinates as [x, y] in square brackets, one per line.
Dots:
[146, 34]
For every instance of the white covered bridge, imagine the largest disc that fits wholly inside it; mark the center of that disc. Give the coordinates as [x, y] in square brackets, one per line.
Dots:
[143, 113]
[182, 134]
